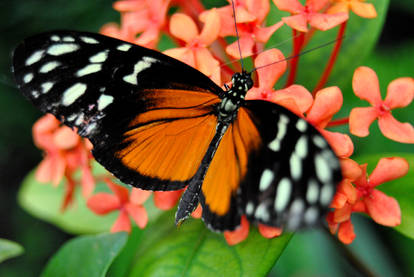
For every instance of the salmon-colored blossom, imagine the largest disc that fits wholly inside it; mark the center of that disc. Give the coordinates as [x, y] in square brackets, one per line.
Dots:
[195, 53]
[400, 93]
[310, 13]
[250, 15]
[366, 10]
[145, 18]
[363, 197]
[65, 153]
[295, 98]
[129, 204]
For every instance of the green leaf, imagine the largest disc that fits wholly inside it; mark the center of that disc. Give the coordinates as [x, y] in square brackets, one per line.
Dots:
[193, 250]
[360, 38]
[44, 201]
[88, 256]
[401, 189]
[9, 249]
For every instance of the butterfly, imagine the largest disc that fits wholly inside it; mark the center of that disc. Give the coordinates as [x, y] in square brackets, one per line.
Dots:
[158, 124]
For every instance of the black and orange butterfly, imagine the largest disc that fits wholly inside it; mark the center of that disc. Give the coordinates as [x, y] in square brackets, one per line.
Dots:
[159, 124]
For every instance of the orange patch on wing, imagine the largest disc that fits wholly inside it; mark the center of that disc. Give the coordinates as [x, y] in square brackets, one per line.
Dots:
[229, 165]
[169, 140]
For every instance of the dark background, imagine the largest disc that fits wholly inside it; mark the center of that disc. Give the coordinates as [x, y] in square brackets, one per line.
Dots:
[18, 19]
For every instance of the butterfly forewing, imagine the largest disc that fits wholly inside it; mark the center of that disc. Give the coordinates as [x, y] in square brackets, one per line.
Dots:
[126, 99]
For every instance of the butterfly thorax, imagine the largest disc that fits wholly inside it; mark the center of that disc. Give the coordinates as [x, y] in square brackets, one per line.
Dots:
[234, 96]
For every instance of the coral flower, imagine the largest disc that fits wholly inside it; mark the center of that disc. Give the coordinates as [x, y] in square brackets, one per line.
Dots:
[295, 98]
[195, 53]
[65, 152]
[400, 93]
[302, 15]
[363, 197]
[250, 16]
[366, 10]
[129, 204]
[144, 17]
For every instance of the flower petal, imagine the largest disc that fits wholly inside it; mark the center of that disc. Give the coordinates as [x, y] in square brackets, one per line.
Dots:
[343, 214]
[302, 97]
[269, 232]
[197, 212]
[395, 130]
[360, 119]
[338, 201]
[103, 203]
[263, 34]
[388, 169]
[122, 223]
[183, 27]
[139, 196]
[346, 232]
[87, 182]
[350, 169]
[338, 7]
[297, 22]
[238, 235]
[328, 101]
[400, 93]
[183, 54]
[165, 200]
[51, 169]
[211, 27]
[205, 62]
[246, 46]
[316, 5]
[383, 209]
[366, 10]
[366, 86]
[260, 8]
[341, 143]
[333, 226]
[120, 191]
[325, 22]
[65, 138]
[292, 6]
[269, 75]
[138, 214]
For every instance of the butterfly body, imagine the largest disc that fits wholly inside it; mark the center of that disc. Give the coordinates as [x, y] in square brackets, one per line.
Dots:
[159, 124]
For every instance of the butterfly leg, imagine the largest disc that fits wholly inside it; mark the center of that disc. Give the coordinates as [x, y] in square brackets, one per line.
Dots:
[190, 198]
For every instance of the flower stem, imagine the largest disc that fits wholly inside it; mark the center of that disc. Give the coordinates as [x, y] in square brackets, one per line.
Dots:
[351, 257]
[298, 41]
[338, 122]
[332, 58]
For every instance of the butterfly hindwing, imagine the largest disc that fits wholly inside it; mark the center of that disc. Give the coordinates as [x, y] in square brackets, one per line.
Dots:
[294, 174]
[119, 95]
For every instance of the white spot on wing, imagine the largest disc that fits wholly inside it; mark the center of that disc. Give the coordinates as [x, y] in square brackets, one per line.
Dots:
[47, 67]
[301, 148]
[312, 192]
[319, 141]
[35, 57]
[283, 193]
[99, 57]
[46, 87]
[89, 69]
[63, 48]
[301, 125]
[124, 47]
[326, 194]
[249, 208]
[35, 94]
[104, 100]
[322, 168]
[79, 120]
[68, 39]
[311, 215]
[281, 132]
[138, 67]
[55, 38]
[266, 179]
[72, 93]
[295, 164]
[262, 212]
[89, 40]
[28, 77]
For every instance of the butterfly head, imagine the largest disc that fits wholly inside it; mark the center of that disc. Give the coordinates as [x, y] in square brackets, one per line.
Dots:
[241, 83]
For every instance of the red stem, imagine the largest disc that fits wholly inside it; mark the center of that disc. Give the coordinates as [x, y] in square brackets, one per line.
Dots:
[338, 122]
[297, 46]
[332, 58]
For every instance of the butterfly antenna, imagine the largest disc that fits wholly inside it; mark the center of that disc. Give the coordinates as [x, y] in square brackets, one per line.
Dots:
[237, 34]
[300, 54]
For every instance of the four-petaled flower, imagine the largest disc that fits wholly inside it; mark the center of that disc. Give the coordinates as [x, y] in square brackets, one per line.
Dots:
[400, 93]
[128, 203]
[302, 15]
[363, 197]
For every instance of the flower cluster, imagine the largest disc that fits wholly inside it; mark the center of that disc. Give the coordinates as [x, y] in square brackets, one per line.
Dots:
[201, 37]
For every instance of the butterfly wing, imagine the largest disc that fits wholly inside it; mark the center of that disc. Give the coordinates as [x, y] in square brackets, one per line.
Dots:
[133, 103]
[272, 166]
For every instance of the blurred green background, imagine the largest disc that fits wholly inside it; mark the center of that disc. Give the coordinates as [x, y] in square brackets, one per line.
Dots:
[384, 251]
